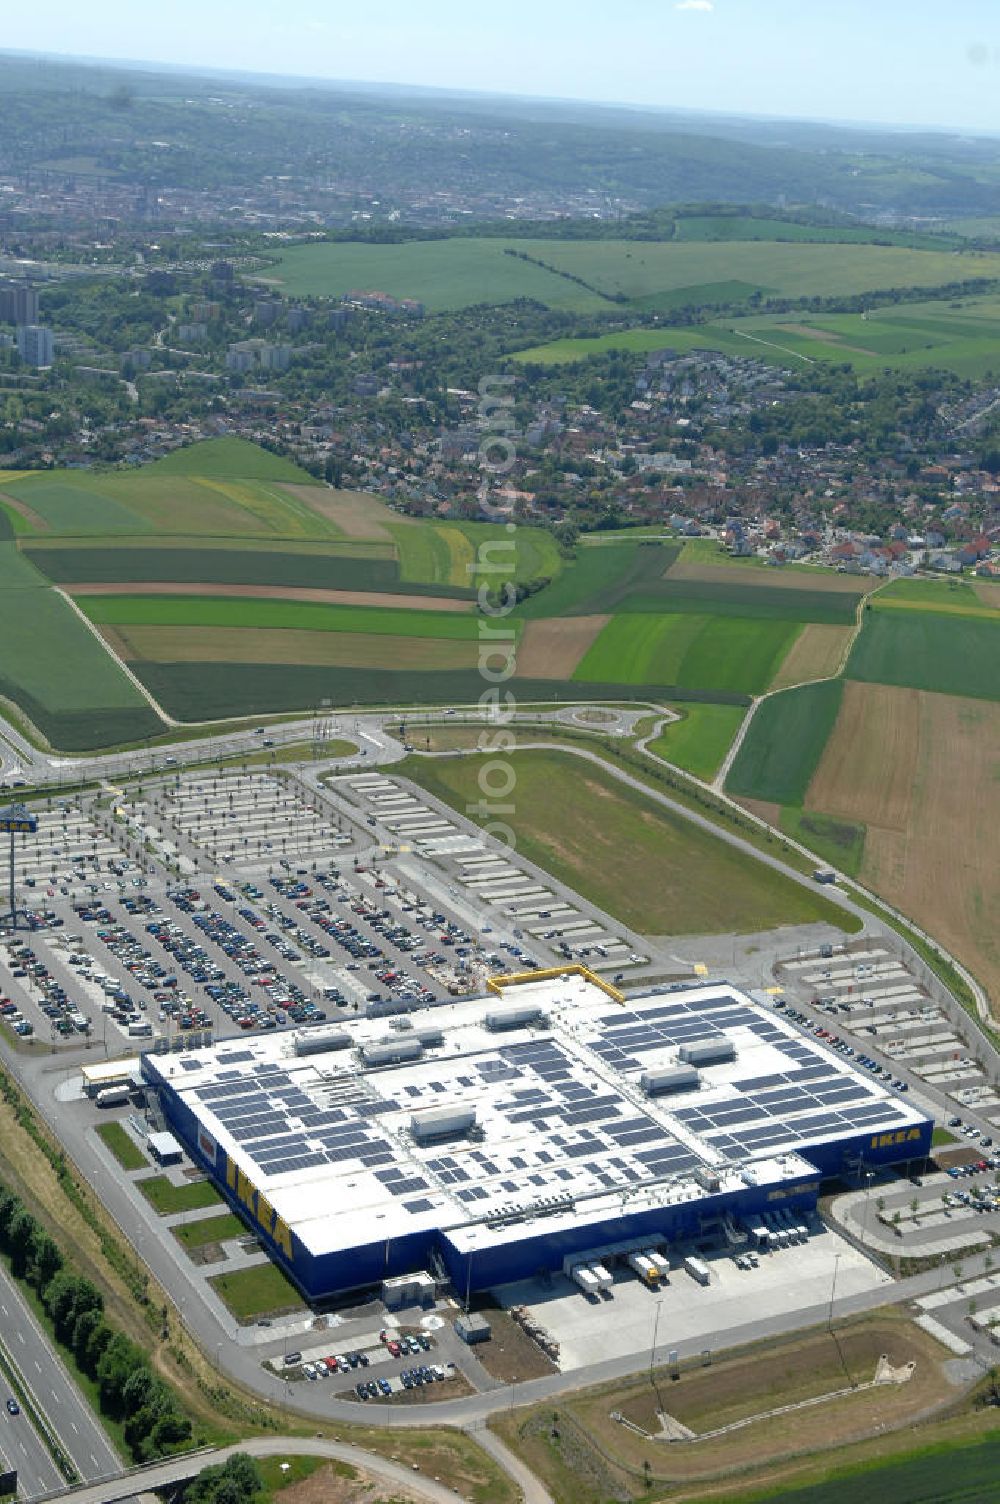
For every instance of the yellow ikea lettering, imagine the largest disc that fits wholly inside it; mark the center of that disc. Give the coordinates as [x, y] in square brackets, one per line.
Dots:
[282, 1236]
[889, 1140]
[247, 1192]
[259, 1207]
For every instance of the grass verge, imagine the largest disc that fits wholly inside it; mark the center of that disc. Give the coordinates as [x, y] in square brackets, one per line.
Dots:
[262, 1290]
[127, 1153]
[167, 1198]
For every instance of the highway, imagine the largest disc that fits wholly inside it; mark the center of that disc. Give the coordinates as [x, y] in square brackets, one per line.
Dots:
[55, 1394]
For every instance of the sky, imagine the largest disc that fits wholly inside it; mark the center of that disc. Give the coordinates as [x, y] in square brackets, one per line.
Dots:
[907, 62]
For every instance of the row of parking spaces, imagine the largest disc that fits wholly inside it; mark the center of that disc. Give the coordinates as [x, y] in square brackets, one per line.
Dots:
[871, 992]
[249, 819]
[230, 950]
[376, 920]
[356, 927]
[980, 1200]
[70, 854]
[58, 991]
[143, 983]
[385, 1350]
[491, 883]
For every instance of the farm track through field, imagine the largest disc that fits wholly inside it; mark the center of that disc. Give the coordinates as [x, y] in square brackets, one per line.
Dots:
[719, 781]
[23, 510]
[95, 631]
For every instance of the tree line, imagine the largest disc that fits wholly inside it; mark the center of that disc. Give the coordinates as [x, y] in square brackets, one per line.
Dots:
[130, 1392]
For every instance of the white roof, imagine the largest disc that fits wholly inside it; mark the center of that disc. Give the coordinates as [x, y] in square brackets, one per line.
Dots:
[563, 1128]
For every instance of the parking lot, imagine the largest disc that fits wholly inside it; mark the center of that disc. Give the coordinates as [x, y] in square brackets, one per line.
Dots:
[869, 993]
[149, 939]
[247, 819]
[493, 890]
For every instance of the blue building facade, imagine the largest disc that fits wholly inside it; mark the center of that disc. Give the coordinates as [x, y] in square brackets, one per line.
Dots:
[544, 1245]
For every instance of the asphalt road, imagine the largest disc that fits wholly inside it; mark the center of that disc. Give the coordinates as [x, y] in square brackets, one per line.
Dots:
[161, 1475]
[56, 1394]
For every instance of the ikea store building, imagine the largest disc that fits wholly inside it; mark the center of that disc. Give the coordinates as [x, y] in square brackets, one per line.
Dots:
[498, 1137]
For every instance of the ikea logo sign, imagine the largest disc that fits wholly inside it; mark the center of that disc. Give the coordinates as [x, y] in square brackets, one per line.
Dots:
[901, 1136]
[259, 1207]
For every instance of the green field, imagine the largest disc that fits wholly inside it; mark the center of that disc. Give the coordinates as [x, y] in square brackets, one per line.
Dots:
[222, 487]
[205, 1230]
[57, 670]
[229, 459]
[166, 1198]
[784, 744]
[441, 274]
[693, 651]
[319, 569]
[749, 227]
[700, 740]
[124, 1148]
[259, 1291]
[943, 1474]
[953, 654]
[467, 554]
[839, 842]
[643, 864]
[919, 592]
[458, 273]
[961, 336]
[250, 612]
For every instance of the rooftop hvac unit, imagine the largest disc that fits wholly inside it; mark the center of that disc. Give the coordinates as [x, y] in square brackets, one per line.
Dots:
[392, 1051]
[656, 1083]
[708, 1177]
[320, 1040]
[514, 1018]
[429, 1037]
[441, 1122]
[707, 1051]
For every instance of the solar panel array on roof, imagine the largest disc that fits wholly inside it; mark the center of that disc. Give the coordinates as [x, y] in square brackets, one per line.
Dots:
[560, 1114]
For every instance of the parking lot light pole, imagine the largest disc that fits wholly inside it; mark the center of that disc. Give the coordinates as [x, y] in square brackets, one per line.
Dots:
[656, 1327]
[833, 1290]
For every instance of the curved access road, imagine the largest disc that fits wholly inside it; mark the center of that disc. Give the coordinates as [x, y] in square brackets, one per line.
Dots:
[161, 1475]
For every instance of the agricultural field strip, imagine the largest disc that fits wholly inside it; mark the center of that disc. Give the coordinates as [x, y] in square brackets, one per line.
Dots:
[461, 272]
[919, 770]
[250, 612]
[693, 651]
[963, 341]
[373, 599]
[945, 652]
[252, 646]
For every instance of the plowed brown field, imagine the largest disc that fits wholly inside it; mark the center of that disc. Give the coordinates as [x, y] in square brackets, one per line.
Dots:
[770, 579]
[356, 514]
[922, 771]
[817, 653]
[552, 649]
[279, 593]
[264, 645]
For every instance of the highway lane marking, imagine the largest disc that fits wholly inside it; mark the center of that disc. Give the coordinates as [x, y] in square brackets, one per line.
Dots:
[73, 1426]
